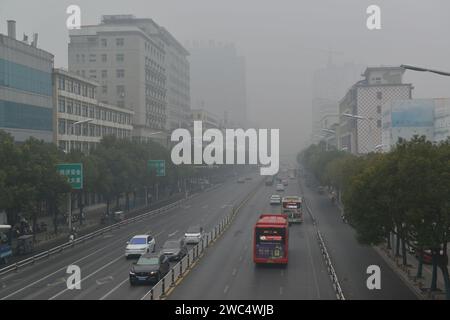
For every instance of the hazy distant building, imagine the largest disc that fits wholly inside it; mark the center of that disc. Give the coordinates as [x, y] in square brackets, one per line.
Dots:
[26, 104]
[218, 82]
[329, 85]
[365, 100]
[128, 57]
[209, 120]
[80, 120]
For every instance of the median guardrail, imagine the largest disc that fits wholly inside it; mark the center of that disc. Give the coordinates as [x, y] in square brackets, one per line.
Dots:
[45, 254]
[166, 284]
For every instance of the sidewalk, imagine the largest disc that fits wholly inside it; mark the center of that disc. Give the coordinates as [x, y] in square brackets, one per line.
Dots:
[420, 286]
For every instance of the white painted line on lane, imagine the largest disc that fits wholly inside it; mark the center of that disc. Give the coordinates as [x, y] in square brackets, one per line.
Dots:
[172, 234]
[234, 272]
[87, 277]
[114, 289]
[226, 289]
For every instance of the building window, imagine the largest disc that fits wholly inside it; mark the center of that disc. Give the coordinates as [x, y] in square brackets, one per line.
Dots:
[104, 74]
[120, 89]
[120, 42]
[61, 105]
[379, 123]
[93, 74]
[121, 104]
[92, 58]
[85, 110]
[61, 83]
[104, 42]
[69, 106]
[104, 89]
[379, 109]
[83, 73]
[104, 57]
[61, 126]
[120, 73]
[120, 57]
[91, 112]
[77, 106]
[379, 95]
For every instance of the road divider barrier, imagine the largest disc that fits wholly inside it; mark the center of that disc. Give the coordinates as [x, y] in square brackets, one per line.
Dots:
[166, 284]
[70, 244]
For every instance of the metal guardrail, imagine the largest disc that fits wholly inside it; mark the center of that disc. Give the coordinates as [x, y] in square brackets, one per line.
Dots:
[45, 254]
[169, 281]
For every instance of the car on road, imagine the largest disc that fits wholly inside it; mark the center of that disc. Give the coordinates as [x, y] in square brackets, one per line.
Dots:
[285, 182]
[241, 180]
[248, 178]
[139, 245]
[275, 199]
[193, 235]
[279, 187]
[175, 249]
[150, 267]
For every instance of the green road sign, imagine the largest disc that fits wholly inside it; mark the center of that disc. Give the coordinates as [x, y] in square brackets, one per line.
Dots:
[73, 172]
[159, 166]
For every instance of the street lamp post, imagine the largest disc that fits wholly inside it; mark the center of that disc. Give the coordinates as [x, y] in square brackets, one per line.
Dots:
[73, 125]
[369, 119]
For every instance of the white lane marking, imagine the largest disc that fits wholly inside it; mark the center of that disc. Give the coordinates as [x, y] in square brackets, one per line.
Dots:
[114, 289]
[57, 282]
[104, 280]
[87, 277]
[50, 274]
[173, 233]
[240, 258]
[205, 206]
[226, 289]
[234, 272]
[313, 267]
[281, 291]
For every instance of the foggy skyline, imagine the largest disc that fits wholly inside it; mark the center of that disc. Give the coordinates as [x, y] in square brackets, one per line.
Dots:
[283, 43]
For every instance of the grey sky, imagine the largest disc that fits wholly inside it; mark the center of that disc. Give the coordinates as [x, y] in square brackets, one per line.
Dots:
[283, 42]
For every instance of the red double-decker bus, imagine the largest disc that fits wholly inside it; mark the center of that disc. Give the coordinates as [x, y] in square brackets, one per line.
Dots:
[270, 239]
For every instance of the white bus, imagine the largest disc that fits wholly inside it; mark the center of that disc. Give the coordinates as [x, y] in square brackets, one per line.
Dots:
[292, 206]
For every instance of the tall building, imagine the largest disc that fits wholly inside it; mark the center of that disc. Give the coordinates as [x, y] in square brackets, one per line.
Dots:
[178, 83]
[218, 82]
[80, 120]
[26, 102]
[441, 119]
[362, 132]
[329, 85]
[129, 57]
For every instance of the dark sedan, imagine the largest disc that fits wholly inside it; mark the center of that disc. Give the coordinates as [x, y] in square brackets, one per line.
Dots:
[175, 250]
[149, 268]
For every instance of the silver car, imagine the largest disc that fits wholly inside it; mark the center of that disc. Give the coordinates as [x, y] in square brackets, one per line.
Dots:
[193, 235]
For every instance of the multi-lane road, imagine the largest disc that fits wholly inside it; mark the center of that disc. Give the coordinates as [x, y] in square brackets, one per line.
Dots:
[226, 271]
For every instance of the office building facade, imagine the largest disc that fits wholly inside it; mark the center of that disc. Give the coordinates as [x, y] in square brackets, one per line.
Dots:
[26, 97]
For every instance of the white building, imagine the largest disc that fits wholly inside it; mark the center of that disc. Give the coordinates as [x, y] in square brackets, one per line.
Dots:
[128, 57]
[80, 120]
[406, 119]
[361, 134]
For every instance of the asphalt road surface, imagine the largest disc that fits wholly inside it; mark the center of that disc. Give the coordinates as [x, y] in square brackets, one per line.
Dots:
[351, 259]
[104, 269]
[227, 270]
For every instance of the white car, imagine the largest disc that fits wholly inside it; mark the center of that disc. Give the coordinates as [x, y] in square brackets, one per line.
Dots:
[193, 235]
[140, 244]
[275, 199]
[280, 187]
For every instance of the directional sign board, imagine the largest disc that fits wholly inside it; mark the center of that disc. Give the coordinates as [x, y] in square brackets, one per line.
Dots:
[159, 166]
[73, 172]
